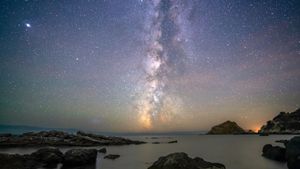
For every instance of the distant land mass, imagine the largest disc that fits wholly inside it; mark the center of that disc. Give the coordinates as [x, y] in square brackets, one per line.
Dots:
[284, 123]
[228, 127]
[20, 129]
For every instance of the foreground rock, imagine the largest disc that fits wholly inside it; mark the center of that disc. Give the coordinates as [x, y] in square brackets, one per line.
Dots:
[112, 156]
[274, 152]
[77, 157]
[227, 127]
[58, 138]
[46, 157]
[50, 157]
[182, 161]
[102, 150]
[293, 153]
[284, 123]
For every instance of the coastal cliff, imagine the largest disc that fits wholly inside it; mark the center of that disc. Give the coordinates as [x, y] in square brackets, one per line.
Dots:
[284, 123]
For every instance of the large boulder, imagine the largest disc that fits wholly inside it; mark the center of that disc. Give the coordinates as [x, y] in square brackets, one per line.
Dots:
[228, 127]
[16, 161]
[293, 153]
[48, 156]
[274, 152]
[183, 161]
[76, 157]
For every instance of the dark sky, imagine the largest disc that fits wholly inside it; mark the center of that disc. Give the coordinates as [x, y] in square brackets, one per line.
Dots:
[148, 65]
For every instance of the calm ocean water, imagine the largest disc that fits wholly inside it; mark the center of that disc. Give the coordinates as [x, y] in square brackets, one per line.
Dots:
[235, 151]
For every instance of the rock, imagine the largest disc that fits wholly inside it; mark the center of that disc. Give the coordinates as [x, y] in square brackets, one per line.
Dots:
[102, 150]
[284, 123]
[16, 161]
[50, 157]
[293, 153]
[58, 138]
[274, 152]
[227, 127]
[250, 132]
[284, 142]
[171, 142]
[182, 161]
[112, 156]
[77, 157]
[156, 142]
[93, 166]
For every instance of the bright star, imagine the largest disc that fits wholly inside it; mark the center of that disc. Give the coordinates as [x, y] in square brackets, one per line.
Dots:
[28, 25]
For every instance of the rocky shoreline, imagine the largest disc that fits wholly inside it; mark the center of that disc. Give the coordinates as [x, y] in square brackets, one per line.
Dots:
[59, 139]
[290, 153]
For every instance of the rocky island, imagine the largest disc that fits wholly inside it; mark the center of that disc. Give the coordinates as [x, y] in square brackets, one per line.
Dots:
[284, 123]
[228, 127]
[59, 138]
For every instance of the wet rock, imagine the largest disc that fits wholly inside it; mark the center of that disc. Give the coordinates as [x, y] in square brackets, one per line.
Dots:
[182, 161]
[77, 157]
[293, 153]
[58, 138]
[112, 156]
[102, 150]
[274, 152]
[50, 157]
[16, 161]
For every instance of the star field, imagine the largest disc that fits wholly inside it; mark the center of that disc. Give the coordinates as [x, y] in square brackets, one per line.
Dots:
[103, 64]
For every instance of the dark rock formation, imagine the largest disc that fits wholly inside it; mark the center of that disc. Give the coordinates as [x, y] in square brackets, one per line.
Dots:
[174, 141]
[284, 123]
[58, 138]
[102, 150]
[227, 127]
[77, 157]
[48, 156]
[274, 152]
[182, 161]
[112, 156]
[293, 153]
[16, 161]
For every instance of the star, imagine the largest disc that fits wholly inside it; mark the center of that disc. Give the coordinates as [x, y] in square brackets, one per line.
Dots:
[28, 25]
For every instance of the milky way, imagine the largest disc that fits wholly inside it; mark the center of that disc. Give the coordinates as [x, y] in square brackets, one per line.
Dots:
[165, 57]
[148, 65]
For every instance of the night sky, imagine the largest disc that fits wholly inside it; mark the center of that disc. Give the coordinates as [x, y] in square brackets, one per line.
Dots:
[142, 65]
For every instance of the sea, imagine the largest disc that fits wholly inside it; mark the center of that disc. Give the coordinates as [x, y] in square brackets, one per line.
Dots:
[234, 151]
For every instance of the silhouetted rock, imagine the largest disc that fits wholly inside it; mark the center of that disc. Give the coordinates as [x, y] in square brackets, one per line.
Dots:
[227, 127]
[112, 156]
[77, 157]
[174, 141]
[182, 161]
[16, 161]
[274, 152]
[284, 123]
[293, 153]
[48, 156]
[156, 142]
[102, 150]
[58, 138]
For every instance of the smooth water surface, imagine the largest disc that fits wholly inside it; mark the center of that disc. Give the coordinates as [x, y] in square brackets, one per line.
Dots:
[234, 151]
